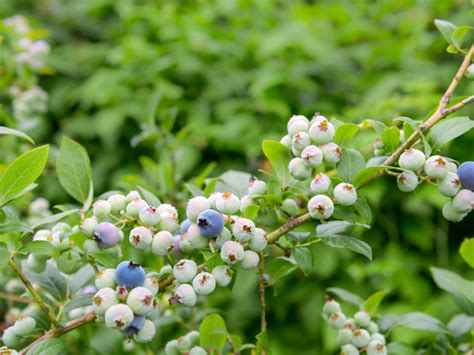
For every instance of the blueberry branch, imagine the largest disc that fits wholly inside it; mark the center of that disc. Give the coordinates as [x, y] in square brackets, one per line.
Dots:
[15, 298]
[261, 283]
[441, 112]
[34, 294]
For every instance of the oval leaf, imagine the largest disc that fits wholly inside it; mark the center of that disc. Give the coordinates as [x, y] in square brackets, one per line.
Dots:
[14, 132]
[350, 164]
[279, 156]
[213, 333]
[343, 241]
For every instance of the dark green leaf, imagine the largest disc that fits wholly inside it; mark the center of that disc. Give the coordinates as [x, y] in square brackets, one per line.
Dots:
[364, 210]
[54, 218]
[345, 133]
[4, 254]
[304, 259]
[81, 278]
[107, 261]
[457, 37]
[51, 280]
[51, 346]
[212, 333]
[278, 268]
[350, 164]
[449, 129]
[391, 138]
[342, 241]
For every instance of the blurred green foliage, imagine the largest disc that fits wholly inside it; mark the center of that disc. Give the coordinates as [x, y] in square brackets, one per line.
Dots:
[230, 73]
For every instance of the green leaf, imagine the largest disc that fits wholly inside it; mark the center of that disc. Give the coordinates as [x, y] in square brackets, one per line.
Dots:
[457, 37]
[372, 303]
[78, 300]
[107, 261]
[22, 172]
[446, 28]
[395, 348]
[211, 259]
[279, 156]
[236, 342]
[467, 251]
[415, 126]
[391, 138]
[234, 181]
[39, 247]
[346, 295]
[74, 170]
[263, 346]
[149, 197]
[14, 132]
[378, 126]
[449, 129]
[364, 210]
[195, 191]
[81, 278]
[4, 254]
[458, 287]
[345, 133]
[304, 259]
[278, 268]
[14, 226]
[350, 164]
[251, 211]
[213, 333]
[51, 346]
[422, 321]
[54, 218]
[342, 241]
[460, 325]
[366, 174]
[51, 280]
[332, 227]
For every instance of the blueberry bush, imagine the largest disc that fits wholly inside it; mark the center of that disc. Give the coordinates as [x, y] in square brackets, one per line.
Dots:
[177, 259]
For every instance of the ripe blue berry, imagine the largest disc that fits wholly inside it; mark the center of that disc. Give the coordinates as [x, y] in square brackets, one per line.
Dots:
[141, 237]
[250, 260]
[312, 155]
[412, 159]
[117, 202]
[360, 338]
[243, 229]
[119, 316]
[185, 295]
[134, 327]
[297, 124]
[332, 153]
[103, 300]
[162, 243]
[195, 206]
[184, 270]
[349, 349]
[320, 183]
[321, 131]
[223, 275]
[227, 203]
[149, 216]
[232, 252]
[345, 194]
[298, 169]
[101, 209]
[450, 185]
[407, 181]
[140, 300]
[105, 278]
[362, 319]
[129, 274]
[24, 326]
[466, 174]
[337, 320]
[185, 225]
[204, 283]
[210, 223]
[320, 207]
[436, 167]
[106, 235]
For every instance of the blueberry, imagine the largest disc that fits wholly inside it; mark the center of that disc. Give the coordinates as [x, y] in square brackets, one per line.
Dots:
[344, 336]
[297, 124]
[450, 185]
[223, 275]
[88, 226]
[321, 130]
[140, 300]
[466, 174]
[197, 350]
[105, 278]
[195, 206]
[345, 194]
[362, 319]
[185, 295]
[129, 274]
[320, 183]
[243, 229]
[250, 260]
[227, 203]
[412, 159]
[436, 167]
[119, 316]
[407, 181]
[141, 237]
[349, 349]
[337, 320]
[360, 338]
[162, 243]
[300, 141]
[24, 326]
[376, 347]
[149, 216]
[204, 283]
[257, 187]
[106, 235]
[10, 338]
[452, 214]
[298, 169]
[332, 153]
[463, 201]
[210, 223]
[320, 207]
[185, 225]
[232, 252]
[135, 206]
[117, 202]
[103, 300]
[101, 209]
[331, 306]
[184, 270]
[134, 327]
[259, 240]
[147, 333]
[312, 155]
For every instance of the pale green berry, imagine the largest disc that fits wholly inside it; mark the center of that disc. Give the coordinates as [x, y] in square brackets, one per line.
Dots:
[24, 326]
[184, 343]
[223, 275]
[463, 201]
[312, 155]
[259, 240]
[43, 234]
[103, 300]
[373, 327]
[147, 333]
[149, 216]
[336, 320]
[232, 252]
[194, 336]
[452, 214]
[224, 236]
[360, 338]
[105, 278]
[379, 337]
[332, 153]
[195, 239]
[91, 246]
[162, 243]
[204, 283]
[345, 194]
[88, 226]
[117, 202]
[412, 159]
[470, 72]
[289, 206]
[320, 184]
[227, 203]
[197, 350]
[250, 260]
[320, 207]
[168, 222]
[243, 229]
[298, 169]
[331, 306]
[344, 336]
[322, 131]
[375, 347]
[119, 316]
[135, 206]
[101, 209]
[213, 198]
[436, 167]
[407, 181]
[195, 206]
[246, 201]
[257, 187]
[349, 349]
[10, 338]
[185, 295]
[300, 141]
[171, 348]
[362, 319]
[61, 227]
[297, 124]
[140, 300]
[286, 141]
[133, 195]
[141, 237]
[450, 185]
[184, 270]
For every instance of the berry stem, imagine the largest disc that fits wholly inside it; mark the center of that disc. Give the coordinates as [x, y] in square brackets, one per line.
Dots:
[63, 329]
[34, 294]
[441, 112]
[15, 298]
[261, 283]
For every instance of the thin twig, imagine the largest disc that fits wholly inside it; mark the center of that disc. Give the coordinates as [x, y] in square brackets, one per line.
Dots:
[263, 307]
[33, 292]
[15, 298]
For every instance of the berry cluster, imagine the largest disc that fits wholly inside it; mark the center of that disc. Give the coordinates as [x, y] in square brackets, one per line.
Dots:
[187, 344]
[357, 334]
[24, 326]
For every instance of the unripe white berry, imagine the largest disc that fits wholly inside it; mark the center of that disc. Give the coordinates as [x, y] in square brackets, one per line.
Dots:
[88, 226]
[379, 337]
[204, 283]
[349, 349]
[227, 203]
[312, 155]
[10, 338]
[135, 206]
[152, 284]
[344, 336]
[243, 229]
[147, 333]
[362, 319]
[185, 295]
[300, 141]
[463, 201]
[132, 195]
[117, 202]
[168, 222]
[259, 240]
[345, 194]
[103, 300]
[298, 169]
[195, 239]
[195, 206]
[320, 207]
[332, 153]
[184, 270]
[224, 236]
[140, 300]
[223, 275]
[360, 338]
[162, 243]
[149, 216]
[450, 185]
[376, 347]
[166, 207]
[246, 201]
[232, 252]
[118, 316]
[197, 350]
[286, 141]
[322, 131]
[101, 209]
[24, 325]
[297, 124]
[436, 167]
[250, 260]
[407, 181]
[213, 198]
[337, 320]
[257, 187]
[451, 214]
[412, 159]
[331, 306]
[320, 184]
[141, 237]
[105, 278]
